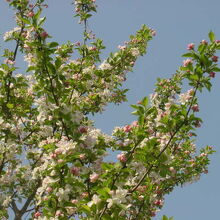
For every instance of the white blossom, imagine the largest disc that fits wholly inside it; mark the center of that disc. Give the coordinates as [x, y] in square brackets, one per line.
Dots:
[95, 200]
[8, 35]
[118, 197]
[105, 66]
[135, 52]
[186, 97]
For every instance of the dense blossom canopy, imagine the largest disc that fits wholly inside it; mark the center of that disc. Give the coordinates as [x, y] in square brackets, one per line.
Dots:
[52, 158]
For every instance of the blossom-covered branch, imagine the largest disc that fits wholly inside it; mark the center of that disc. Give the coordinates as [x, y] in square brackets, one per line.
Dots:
[52, 158]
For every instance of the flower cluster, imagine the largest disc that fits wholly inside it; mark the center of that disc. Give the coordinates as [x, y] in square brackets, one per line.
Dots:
[84, 8]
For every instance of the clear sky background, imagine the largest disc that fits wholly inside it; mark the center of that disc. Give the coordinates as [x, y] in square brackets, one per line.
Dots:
[177, 22]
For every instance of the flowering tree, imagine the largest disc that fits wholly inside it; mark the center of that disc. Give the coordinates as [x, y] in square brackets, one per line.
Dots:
[52, 158]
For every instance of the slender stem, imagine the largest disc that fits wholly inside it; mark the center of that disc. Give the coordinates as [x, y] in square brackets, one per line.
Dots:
[2, 163]
[83, 55]
[55, 97]
[13, 59]
[139, 210]
[167, 145]
[159, 155]
[118, 174]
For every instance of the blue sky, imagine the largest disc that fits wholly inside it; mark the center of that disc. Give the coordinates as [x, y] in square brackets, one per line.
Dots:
[177, 22]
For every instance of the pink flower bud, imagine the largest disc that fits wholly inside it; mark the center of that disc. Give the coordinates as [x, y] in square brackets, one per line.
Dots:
[58, 213]
[158, 192]
[187, 152]
[212, 74]
[187, 62]
[135, 123]
[85, 194]
[77, 44]
[195, 108]
[58, 151]
[82, 129]
[9, 61]
[93, 48]
[37, 214]
[127, 128]
[215, 59]
[205, 171]
[49, 189]
[93, 177]
[190, 46]
[190, 134]
[172, 170]
[82, 156]
[31, 14]
[122, 157]
[158, 202]
[75, 171]
[74, 201]
[53, 156]
[153, 32]
[204, 42]
[44, 34]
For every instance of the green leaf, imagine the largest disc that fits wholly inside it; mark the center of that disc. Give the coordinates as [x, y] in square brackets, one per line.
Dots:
[141, 119]
[26, 21]
[165, 217]
[107, 217]
[205, 60]
[216, 69]
[144, 101]
[58, 63]
[9, 105]
[30, 68]
[86, 208]
[193, 77]
[53, 44]
[104, 192]
[211, 36]
[107, 166]
[141, 109]
[188, 55]
[201, 48]
[41, 21]
[134, 106]
[51, 67]
[37, 15]
[208, 86]
[135, 113]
